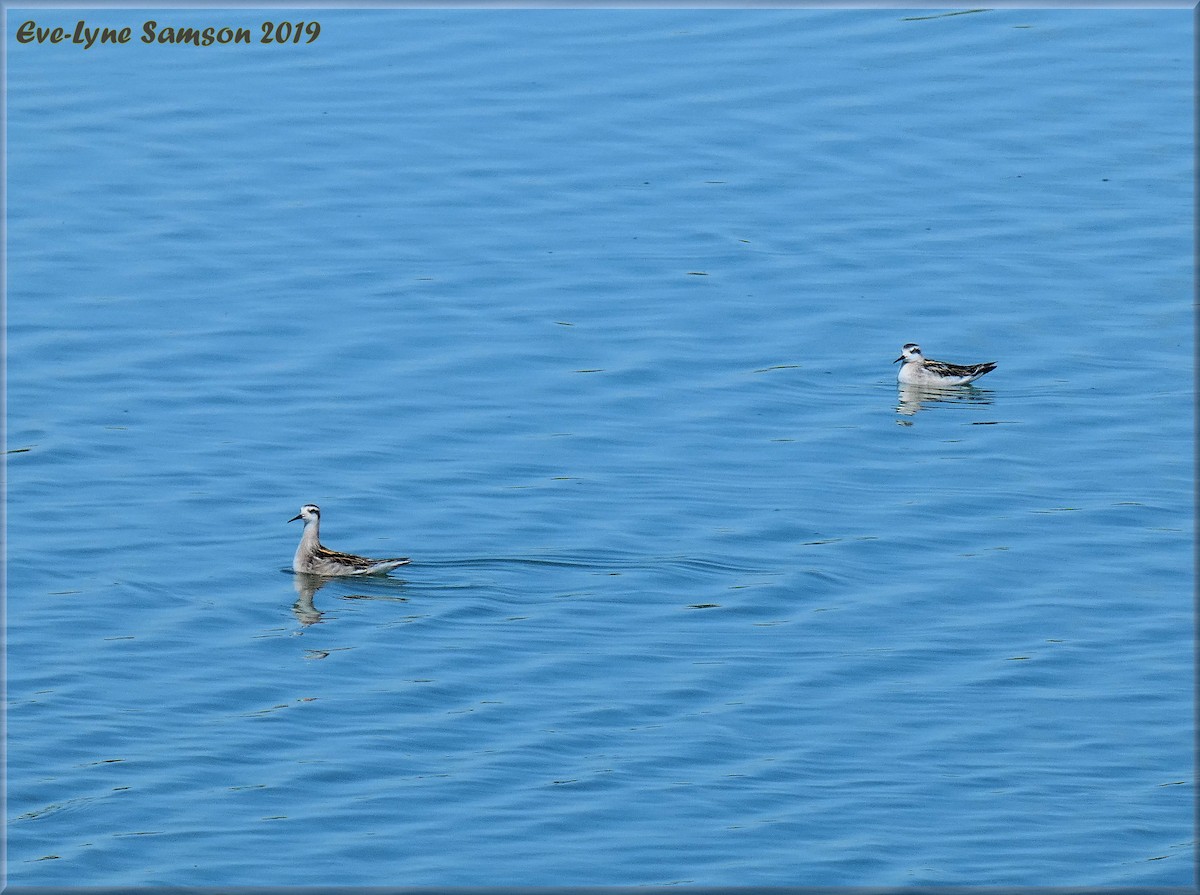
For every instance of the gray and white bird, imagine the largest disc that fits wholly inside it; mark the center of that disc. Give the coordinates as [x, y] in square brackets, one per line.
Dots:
[920, 370]
[314, 559]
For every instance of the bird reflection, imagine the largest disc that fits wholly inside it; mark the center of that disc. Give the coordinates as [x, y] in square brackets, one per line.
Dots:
[306, 586]
[914, 398]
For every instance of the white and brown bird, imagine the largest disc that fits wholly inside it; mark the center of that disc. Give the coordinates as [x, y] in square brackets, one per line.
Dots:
[314, 559]
[920, 370]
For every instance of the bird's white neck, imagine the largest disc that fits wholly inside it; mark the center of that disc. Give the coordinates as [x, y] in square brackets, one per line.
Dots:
[310, 540]
[312, 533]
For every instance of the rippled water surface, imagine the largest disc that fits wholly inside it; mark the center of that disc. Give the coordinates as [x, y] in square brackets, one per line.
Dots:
[591, 313]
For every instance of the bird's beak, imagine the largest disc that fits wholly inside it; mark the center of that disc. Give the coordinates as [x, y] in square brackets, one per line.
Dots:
[297, 516]
[897, 360]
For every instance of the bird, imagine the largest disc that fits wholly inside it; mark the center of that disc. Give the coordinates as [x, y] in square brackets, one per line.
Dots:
[314, 559]
[920, 370]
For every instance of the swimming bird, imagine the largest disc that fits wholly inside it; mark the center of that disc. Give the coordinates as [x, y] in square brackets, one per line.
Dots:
[314, 559]
[920, 370]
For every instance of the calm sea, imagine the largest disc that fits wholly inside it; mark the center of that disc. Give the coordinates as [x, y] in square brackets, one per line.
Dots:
[592, 314]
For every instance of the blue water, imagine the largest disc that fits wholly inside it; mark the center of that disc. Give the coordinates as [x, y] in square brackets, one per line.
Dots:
[591, 313]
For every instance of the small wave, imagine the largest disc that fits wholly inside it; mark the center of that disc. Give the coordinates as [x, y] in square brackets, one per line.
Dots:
[598, 562]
